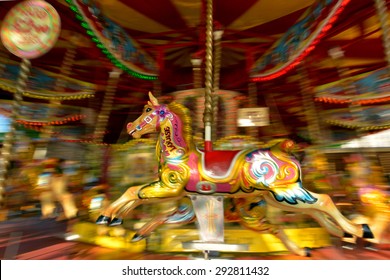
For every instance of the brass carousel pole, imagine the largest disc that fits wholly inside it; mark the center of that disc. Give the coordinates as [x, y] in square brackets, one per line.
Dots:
[9, 140]
[208, 110]
[217, 68]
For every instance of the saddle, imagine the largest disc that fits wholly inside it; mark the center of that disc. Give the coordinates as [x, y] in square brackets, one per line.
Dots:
[217, 163]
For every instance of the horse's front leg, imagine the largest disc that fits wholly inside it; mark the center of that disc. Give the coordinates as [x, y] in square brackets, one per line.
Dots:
[113, 214]
[172, 212]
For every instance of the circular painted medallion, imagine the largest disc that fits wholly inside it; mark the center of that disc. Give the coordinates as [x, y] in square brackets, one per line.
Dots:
[30, 29]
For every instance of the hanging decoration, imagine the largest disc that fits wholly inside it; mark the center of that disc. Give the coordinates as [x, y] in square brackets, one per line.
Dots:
[30, 113]
[298, 41]
[370, 88]
[31, 29]
[369, 118]
[113, 41]
[41, 84]
[51, 123]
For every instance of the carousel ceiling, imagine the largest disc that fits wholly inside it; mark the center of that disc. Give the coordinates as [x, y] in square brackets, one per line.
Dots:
[285, 50]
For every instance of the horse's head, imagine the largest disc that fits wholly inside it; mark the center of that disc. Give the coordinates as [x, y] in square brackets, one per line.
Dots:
[152, 115]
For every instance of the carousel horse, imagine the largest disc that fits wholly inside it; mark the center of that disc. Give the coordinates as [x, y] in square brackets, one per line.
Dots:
[269, 172]
[56, 191]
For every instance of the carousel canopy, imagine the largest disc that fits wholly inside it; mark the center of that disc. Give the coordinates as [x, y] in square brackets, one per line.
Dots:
[285, 50]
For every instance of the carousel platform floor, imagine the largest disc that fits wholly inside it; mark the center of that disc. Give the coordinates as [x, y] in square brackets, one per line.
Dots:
[176, 240]
[30, 238]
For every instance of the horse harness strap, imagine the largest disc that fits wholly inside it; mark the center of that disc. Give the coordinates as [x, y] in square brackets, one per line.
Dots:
[146, 120]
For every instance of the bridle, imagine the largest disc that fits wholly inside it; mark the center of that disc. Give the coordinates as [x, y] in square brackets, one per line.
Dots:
[159, 111]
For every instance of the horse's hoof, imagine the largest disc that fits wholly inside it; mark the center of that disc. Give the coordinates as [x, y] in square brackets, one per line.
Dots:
[367, 233]
[137, 237]
[348, 245]
[115, 222]
[370, 246]
[307, 252]
[102, 220]
[347, 235]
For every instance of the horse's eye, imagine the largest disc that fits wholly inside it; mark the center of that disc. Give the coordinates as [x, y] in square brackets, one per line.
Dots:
[148, 109]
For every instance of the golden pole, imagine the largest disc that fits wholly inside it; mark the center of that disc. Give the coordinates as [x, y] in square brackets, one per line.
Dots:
[208, 114]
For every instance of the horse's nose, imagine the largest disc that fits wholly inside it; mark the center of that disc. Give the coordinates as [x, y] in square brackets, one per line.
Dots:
[130, 131]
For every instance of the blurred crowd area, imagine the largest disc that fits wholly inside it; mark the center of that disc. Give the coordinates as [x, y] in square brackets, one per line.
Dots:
[45, 182]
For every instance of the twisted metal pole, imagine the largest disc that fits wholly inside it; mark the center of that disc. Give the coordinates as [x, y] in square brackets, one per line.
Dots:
[217, 68]
[208, 114]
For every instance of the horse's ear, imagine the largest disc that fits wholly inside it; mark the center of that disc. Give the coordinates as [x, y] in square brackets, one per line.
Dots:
[153, 99]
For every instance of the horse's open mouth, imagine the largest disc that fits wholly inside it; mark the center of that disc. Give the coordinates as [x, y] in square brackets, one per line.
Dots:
[130, 132]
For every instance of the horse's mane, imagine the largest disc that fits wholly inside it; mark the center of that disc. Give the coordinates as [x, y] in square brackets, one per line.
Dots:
[184, 114]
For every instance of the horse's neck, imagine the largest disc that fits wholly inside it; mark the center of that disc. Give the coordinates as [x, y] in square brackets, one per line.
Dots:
[172, 140]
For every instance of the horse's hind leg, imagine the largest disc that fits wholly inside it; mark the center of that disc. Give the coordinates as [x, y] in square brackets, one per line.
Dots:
[323, 204]
[171, 214]
[325, 222]
[323, 219]
[326, 205]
